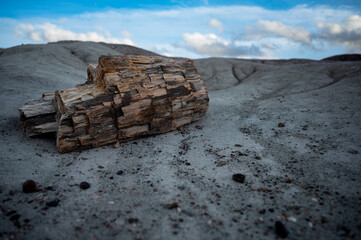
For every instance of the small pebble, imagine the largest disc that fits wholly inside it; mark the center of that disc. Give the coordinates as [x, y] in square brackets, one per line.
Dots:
[50, 188]
[353, 151]
[238, 177]
[221, 164]
[10, 213]
[14, 217]
[281, 124]
[29, 186]
[172, 205]
[281, 230]
[133, 220]
[120, 172]
[53, 203]
[84, 185]
[292, 219]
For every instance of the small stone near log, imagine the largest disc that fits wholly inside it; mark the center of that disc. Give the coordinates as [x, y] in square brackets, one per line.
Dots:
[124, 98]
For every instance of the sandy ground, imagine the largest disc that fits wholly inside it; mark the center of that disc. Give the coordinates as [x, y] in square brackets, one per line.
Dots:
[305, 173]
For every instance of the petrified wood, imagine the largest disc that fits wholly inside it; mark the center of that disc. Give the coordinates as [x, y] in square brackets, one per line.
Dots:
[124, 98]
[38, 116]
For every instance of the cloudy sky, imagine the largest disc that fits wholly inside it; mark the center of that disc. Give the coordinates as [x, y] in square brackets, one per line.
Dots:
[192, 28]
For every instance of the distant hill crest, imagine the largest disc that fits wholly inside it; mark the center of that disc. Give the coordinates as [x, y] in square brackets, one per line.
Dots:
[344, 58]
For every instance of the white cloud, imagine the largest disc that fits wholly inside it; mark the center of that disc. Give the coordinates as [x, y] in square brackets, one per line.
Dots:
[296, 27]
[265, 28]
[36, 36]
[21, 28]
[173, 50]
[48, 32]
[217, 24]
[347, 33]
[127, 34]
[213, 45]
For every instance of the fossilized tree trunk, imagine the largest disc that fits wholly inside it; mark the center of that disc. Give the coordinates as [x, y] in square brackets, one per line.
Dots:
[124, 98]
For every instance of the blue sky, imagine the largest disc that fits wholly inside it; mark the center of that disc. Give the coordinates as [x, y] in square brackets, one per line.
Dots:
[193, 28]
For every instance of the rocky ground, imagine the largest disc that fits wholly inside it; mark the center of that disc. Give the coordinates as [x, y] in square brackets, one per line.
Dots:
[290, 129]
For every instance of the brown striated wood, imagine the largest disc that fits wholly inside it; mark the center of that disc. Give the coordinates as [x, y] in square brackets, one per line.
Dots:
[38, 116]
[124, 98]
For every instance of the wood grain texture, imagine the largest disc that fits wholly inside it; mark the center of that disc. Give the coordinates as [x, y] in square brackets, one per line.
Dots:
[124, 98]
[38, 116]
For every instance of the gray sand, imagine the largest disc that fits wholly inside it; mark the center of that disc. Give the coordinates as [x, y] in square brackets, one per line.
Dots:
[306, 174]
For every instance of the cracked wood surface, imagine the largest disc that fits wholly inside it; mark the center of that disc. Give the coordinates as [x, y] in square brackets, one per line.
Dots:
[38, 116]
[124, 98]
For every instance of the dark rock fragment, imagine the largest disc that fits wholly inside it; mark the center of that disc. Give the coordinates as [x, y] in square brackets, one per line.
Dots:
[15, 220]
[199, 127]
[344, 231]
[172, 205]
[353, 151]
[281, 124]
[10, 213]
[120, 172]
[188, 213]
[281, 230]
[29, 186]
[53, 203]
[84, 185]
[14, 217]
[324, 220]
[263, 211]
[238, 177]
[133, 220]
[289, 180]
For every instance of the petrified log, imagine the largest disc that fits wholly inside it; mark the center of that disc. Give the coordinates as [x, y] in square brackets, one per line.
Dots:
[124, 98]
[38, 116]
